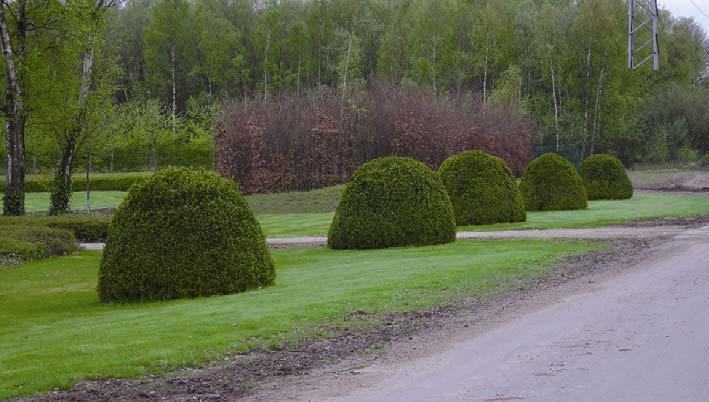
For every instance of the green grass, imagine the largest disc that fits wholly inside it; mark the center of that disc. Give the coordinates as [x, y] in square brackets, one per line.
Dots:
[310, 214]
[99, 181]
[39, 202]
[599, 214]
[295, 225]
[321, 200]
[53, 330]
[603, 213]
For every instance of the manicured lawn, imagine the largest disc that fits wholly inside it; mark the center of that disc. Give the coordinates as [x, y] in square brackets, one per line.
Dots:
[321, 200]
[310, 214]
[39, 202]
[294, 225]
[53, 330]
[602, 213]
[599, 213]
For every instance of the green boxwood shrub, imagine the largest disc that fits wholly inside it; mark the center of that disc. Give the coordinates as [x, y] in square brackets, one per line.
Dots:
[183, 233]
[552, 183]
[19, 243]
[392, 202]
[605, 178]
[482, 189]
[86, 228]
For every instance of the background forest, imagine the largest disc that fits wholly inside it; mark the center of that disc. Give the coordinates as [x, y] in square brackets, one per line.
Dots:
[161, 71]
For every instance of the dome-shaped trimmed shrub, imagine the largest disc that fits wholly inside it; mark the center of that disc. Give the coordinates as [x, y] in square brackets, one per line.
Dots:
[183, 233]
[552, 183]
[605, 178]
[482, 189]
[392, 202]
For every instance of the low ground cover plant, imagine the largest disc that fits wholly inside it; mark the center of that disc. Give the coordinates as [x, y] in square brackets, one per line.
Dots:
[20, 243]
[26, 238]
[605, 178]
[392, 202]
[183, 233]
[552, 183]
[482, 189]
[85, 228]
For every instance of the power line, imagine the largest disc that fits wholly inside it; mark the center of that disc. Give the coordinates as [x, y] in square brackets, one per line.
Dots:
[700, 10]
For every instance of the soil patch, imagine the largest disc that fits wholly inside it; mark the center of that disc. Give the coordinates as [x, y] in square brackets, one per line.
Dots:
[686, 221]
[686, 182]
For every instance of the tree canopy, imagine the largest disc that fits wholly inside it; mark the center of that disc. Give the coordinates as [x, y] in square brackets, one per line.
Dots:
[560, 61]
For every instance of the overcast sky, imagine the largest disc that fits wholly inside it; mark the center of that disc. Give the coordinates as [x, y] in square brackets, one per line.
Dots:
[685, 8]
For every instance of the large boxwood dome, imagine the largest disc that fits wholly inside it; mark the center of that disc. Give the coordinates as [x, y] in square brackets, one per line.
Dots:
[482, 189]
[551, 183]
[392, 202]
[605, 178]
[183, 233]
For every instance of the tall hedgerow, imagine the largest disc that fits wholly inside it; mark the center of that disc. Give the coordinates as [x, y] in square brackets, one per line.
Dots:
[298, 143]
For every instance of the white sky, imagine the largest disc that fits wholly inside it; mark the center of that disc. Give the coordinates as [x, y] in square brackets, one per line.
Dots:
[685, 8]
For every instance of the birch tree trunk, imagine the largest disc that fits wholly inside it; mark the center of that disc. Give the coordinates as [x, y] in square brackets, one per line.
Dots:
[173, 60]
[597, 117]
[14, 110]
[347, 68]
[433, 64]
[265, 68]
[556, 103]
[586, 102]
[487, 51]
[300, 59]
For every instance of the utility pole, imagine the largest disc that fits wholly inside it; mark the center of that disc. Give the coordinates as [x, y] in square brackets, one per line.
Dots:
[643, 28]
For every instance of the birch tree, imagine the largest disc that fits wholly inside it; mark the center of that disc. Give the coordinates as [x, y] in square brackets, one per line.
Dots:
[90, 16]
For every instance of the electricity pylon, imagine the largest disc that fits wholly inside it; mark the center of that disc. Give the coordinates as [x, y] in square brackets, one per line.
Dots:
[643, 28]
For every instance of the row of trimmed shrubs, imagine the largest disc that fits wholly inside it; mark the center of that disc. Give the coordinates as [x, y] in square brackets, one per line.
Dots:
[551, 182]
[399, 201]
[187, 233]
[97, 181]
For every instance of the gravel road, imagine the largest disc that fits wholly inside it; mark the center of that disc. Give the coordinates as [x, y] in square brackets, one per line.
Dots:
[613, 232]
[638, 334]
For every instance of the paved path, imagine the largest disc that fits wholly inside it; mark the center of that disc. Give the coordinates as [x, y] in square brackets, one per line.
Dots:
[640, 335]
[616, 232]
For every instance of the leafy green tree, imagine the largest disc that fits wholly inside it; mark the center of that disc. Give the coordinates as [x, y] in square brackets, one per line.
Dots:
[221, 59]
[90, 90]
[169, 48]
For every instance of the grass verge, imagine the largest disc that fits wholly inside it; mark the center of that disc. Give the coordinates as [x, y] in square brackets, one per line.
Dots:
[53, 330]
[39, 202]
[599, 213]
[310, 214]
